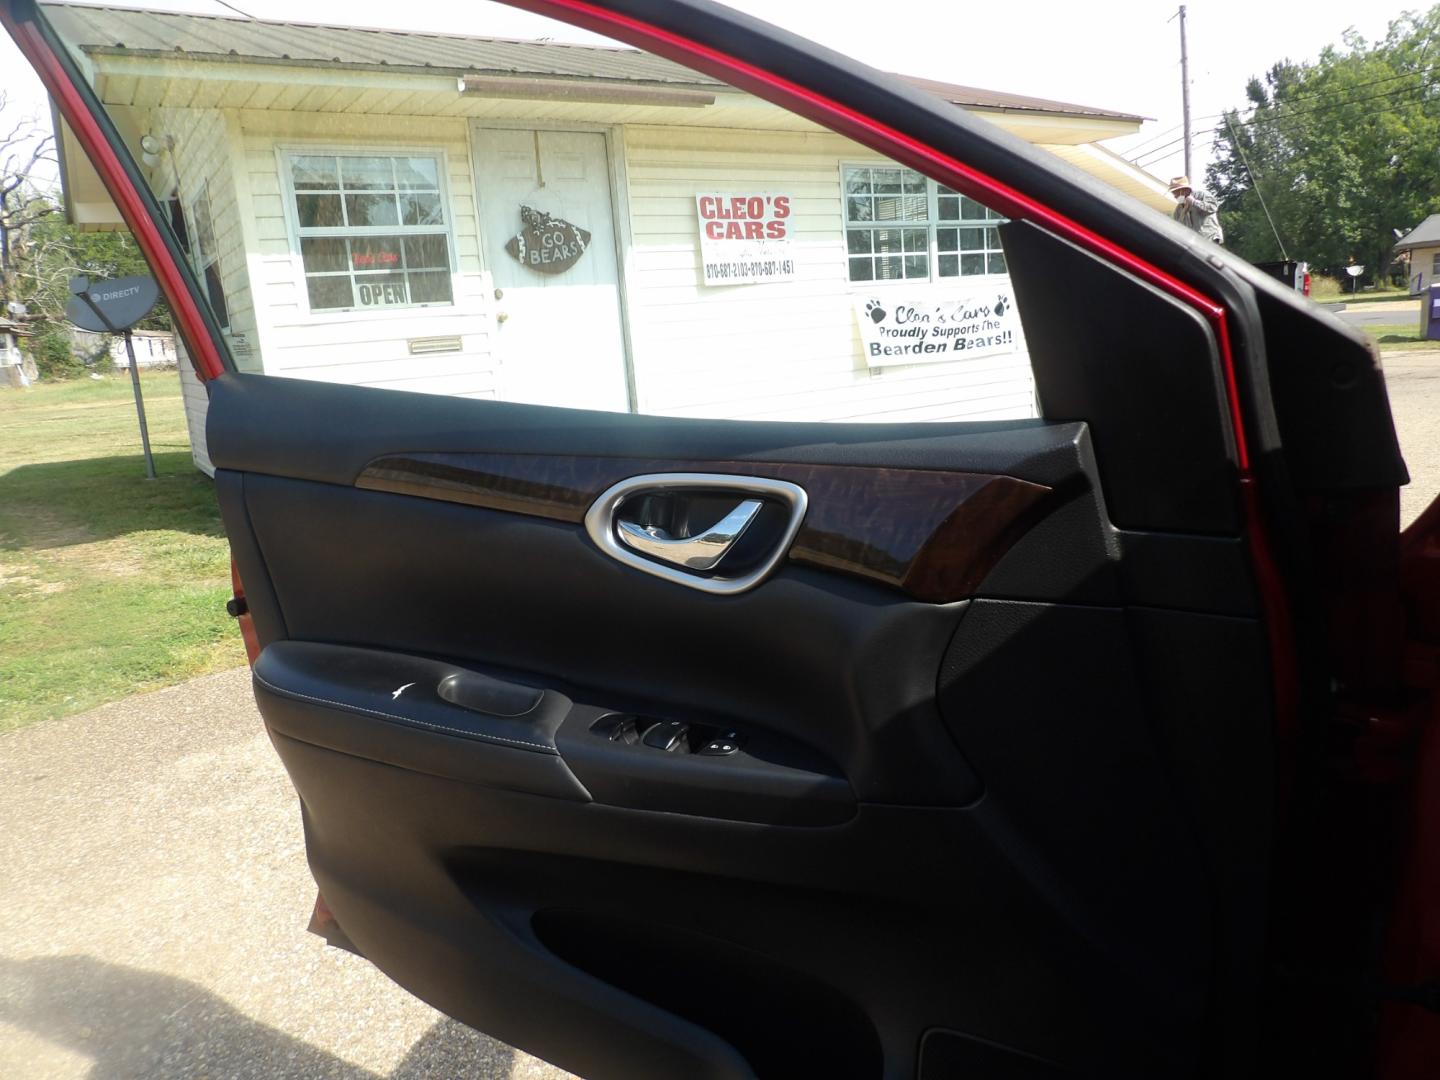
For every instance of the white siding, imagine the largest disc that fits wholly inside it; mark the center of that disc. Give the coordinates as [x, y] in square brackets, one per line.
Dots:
[365, 348]
[783, 350]
[197, 402]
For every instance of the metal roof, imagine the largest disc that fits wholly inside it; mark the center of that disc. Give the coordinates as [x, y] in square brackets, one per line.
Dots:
[101, 30]
[1426, 234]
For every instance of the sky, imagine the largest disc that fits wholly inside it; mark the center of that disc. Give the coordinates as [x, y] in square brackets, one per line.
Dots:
[1124, 55]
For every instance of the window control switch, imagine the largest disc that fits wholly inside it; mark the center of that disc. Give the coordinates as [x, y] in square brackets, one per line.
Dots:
[669, 735]
[719, 747]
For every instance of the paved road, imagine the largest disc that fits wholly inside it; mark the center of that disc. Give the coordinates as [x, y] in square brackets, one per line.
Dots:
[1383, 313]
[153, 890]
[153, 897]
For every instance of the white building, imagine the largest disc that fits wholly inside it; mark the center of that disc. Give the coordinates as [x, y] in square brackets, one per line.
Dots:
[358, 202]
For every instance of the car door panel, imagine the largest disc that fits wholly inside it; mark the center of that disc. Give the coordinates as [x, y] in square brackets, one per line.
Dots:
[855, 802]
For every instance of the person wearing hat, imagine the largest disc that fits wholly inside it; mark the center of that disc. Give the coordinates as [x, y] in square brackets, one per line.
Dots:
[1197, 209]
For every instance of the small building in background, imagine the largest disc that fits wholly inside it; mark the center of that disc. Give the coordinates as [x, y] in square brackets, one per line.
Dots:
[16, 369]
[1422, 246]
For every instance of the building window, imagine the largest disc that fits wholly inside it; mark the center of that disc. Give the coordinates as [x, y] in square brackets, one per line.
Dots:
[373, 230]
[900, 226]
[205, 255]
[1435, 266]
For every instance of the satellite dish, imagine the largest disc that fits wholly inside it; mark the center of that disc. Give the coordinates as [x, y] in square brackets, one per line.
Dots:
[1354, 271]
[110, 306]
[15, 307]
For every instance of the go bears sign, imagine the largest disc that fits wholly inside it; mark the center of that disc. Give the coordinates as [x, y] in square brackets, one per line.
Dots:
[745, 239]
[549, 245]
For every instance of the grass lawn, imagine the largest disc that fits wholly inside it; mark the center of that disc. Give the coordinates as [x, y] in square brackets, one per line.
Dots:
[109, 583]
[1399, 336]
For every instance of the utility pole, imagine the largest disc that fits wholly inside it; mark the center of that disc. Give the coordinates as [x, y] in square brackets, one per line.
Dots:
[1185, 88]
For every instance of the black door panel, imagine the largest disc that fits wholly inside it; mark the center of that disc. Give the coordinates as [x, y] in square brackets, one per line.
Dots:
[940, 817]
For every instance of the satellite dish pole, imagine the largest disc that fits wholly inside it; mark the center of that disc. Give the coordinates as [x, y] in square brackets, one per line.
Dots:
[114, 307]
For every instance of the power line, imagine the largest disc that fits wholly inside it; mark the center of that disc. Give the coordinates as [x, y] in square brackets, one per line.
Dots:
[1276, 117]
[1134, 153]
[1255, 186]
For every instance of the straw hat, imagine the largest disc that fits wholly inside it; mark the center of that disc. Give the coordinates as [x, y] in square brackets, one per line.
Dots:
[1180, 183]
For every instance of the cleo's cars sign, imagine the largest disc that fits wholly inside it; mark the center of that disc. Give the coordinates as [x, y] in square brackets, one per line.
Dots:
[932, 325]
[745, 239]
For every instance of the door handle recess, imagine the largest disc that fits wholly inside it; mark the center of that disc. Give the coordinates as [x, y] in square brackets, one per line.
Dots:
[689, 560]
[701, 552]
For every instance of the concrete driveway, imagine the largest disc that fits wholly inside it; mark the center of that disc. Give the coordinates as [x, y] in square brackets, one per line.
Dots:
[153, 889]
[153, 897]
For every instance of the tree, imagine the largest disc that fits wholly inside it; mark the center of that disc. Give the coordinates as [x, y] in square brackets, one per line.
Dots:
[40, 252]
[24, 146]
[1341, 151]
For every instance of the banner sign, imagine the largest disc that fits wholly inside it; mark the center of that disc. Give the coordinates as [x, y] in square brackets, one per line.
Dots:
[745, 239]
[548, 244]
[931, 326]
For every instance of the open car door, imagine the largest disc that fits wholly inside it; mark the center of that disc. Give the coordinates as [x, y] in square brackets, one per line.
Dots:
[668, 746]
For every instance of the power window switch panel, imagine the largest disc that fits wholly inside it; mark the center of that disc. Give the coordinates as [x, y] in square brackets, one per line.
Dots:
[719, 747]
[670, 735]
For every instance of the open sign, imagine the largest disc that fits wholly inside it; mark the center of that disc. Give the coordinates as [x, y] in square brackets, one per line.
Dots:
[382, 294]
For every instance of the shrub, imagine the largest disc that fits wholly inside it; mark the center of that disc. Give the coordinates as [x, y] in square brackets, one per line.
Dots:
[1324, 288]
[54, 358]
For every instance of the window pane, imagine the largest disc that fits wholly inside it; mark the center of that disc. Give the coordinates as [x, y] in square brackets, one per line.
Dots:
[947, 239]
[916, 240]
[422, 209]
[426, 253]
[949, 266]
[857, 181]
[416, 172]
[858, 209]
[319, 211]
[889, 268]
[917, 266]
[970, 210]
[949, 207]
[972, 264]
[992, 239]
[857, 241]
[889, 209]
[367, 172]
[886, 181]
[375, 253]
[972, 239]
[429, 288]
[371, 210]
[329, 292]
[886, 240]
[997, 264]
[310, 171]
[914, 182]
[323, 253]
[861, 270]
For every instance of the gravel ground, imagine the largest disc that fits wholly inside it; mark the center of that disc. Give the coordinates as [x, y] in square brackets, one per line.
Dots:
[153, 899]
[153, 889]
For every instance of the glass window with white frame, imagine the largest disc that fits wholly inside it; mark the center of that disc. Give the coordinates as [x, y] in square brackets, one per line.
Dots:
[900, 226]
[373, 230]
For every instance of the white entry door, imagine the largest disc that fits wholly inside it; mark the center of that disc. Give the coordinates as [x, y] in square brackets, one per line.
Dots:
[557, 306]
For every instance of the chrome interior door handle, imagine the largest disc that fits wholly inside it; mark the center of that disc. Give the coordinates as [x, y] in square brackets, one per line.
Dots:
[697, 562]
[701, 552]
